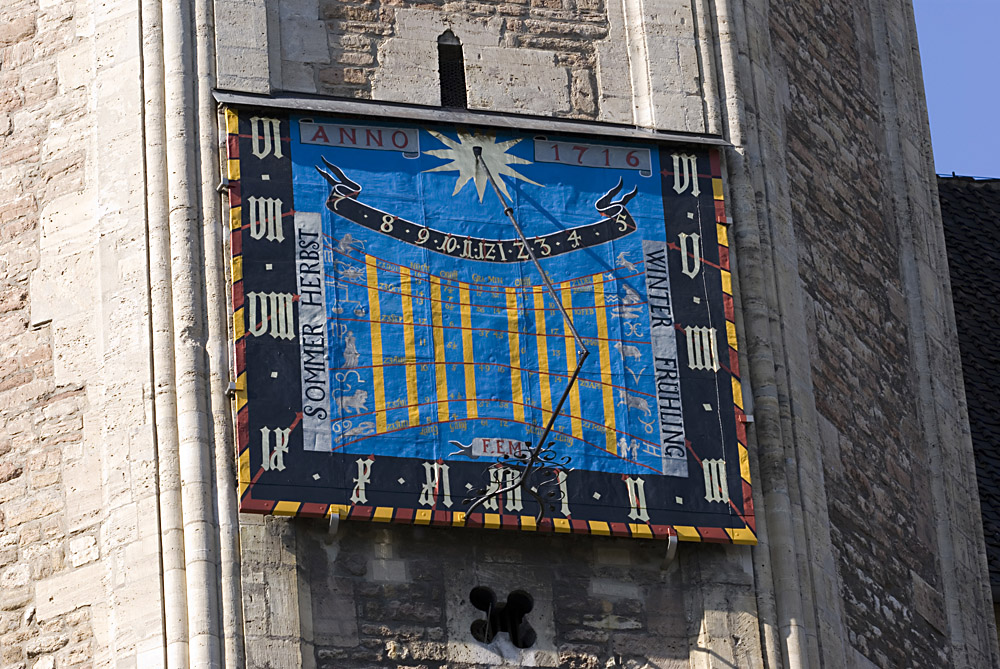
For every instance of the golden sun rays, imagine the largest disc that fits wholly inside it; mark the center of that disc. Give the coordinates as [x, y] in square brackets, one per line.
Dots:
[463, 160]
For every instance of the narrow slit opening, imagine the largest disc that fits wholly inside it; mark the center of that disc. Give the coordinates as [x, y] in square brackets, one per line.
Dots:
[451, 70]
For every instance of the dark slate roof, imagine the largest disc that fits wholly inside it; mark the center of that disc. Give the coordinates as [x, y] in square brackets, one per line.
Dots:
[970, 210]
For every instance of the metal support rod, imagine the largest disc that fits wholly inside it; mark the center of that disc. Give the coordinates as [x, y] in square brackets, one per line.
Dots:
[582, 351]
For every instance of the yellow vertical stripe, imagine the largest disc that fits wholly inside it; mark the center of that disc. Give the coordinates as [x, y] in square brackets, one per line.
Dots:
[723, 234]
[235, 218]
[237, 268]
[238, 330]
[410, 346]
[470, 362]
[232, 122]
[375, 311]
[516, 391]
[717, 188]
[233, 169]
[744, 462]
[737, 392]
[244, 465]
[437, 323]
[543, 353]
[727, 282]
[611, 444]
[574, 393]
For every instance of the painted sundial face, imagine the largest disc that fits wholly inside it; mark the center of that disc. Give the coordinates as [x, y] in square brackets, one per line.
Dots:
[430, 351]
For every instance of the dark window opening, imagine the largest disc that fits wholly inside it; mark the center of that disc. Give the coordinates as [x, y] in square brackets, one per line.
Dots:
[507, 617]
[451, 68]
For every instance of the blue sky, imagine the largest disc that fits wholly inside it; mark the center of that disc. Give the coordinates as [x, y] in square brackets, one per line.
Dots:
[960, 52]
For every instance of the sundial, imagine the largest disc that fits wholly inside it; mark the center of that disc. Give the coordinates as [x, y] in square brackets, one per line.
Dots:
[478, 327]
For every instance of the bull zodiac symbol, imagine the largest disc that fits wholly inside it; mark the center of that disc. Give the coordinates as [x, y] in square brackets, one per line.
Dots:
[632, 402]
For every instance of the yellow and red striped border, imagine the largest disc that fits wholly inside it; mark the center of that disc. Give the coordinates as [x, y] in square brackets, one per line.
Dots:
[489, 521]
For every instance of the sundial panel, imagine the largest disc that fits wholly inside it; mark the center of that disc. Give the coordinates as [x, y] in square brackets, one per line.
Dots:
[398, 350]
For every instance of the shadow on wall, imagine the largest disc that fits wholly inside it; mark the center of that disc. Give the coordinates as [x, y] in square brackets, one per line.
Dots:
[375, 595]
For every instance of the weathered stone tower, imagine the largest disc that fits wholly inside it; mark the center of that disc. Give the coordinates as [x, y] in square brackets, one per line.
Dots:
[120, 539]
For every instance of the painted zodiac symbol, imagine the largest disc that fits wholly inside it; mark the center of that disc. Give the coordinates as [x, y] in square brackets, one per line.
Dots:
[356, 402]
[635, 375]
[342, 377]
[359, 309]
[632, 402]
[647, 426]
[623, 260]
[631, 296]
[351, 355]
[345, 428]
[628, 351]
[348, 271]
[347, 243]
[632, 329]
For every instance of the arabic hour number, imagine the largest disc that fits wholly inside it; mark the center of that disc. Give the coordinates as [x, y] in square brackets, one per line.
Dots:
[546, 249]
[423, 234]
[574, 237]
[387, 223]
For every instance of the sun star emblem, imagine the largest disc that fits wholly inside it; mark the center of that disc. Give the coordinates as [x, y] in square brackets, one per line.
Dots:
[464, 161]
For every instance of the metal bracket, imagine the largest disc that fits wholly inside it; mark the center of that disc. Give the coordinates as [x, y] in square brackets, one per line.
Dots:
[748, 418]
[334, 524]
[231, 390]
[671, 552]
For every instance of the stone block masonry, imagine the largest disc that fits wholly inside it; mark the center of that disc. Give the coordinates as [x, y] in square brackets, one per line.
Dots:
[562, 59]
[41, 417]
[860, 437]
[399, 596]
[863, 368]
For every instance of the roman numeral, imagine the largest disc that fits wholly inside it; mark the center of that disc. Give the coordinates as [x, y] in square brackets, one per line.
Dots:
[361, 481]
[701, 348]
[685, 173]
[265, 218]
[436, 482]
[273, 457]
[501, 477]
[690, 260]
[271, 313]
[637, 499]
[716, 489]
[265, 136]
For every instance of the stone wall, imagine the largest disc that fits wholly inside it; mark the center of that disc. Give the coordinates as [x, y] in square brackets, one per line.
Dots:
[832, 193]
[855, 235]
[40, 418]
[854, 371]
[399, 596]
[78, 530]
[582, 59]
